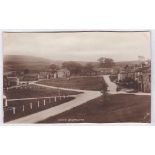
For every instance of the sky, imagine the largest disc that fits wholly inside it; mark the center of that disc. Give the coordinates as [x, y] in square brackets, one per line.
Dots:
[79, 46]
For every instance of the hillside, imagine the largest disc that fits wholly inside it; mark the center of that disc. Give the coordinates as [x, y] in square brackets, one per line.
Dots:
[20, 62]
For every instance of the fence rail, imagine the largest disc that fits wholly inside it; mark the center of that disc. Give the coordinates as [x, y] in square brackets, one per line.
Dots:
[16, 108]
[60, 96]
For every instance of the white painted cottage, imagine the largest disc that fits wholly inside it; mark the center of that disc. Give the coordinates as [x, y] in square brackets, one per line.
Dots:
[62, 73]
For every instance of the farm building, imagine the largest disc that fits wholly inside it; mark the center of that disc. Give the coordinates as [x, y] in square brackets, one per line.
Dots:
[62, 73]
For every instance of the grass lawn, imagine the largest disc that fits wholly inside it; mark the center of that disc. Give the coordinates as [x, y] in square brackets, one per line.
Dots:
[83, 83]
[116, 108]
[35, 91]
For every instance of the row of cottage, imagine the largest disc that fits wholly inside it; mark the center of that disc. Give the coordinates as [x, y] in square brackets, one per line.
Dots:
[140, 74]
[11, 79]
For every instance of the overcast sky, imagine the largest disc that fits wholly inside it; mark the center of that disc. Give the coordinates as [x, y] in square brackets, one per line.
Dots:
[80, 46]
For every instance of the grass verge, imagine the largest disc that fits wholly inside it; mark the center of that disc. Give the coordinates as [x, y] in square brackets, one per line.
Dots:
[114, 109]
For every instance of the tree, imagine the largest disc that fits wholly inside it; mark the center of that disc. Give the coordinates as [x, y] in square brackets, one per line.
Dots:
[106, 62]
[26, 71]
[126, 67]
[101, 61]
[104, 89]
[74, 67]
[88, 68]
[53, 68]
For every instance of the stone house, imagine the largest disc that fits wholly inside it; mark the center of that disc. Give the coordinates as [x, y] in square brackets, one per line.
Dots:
[122, 75]
[62, 73]
[143, 78]
[147, 82]
[141, 75]
[126, 74]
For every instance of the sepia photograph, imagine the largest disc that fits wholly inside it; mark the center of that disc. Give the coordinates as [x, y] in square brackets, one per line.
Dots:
[77, 77]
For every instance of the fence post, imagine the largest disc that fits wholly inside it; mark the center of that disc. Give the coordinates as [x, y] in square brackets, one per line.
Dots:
[6, 102]
[44, 102]
[23, 108]
[14, 110]
[30, 105]
[38, 104]
[55, 99]
[49, 100]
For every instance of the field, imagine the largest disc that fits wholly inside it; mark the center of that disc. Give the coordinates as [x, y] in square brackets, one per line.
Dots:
[115, 108]
[35, 91]
[83, 83]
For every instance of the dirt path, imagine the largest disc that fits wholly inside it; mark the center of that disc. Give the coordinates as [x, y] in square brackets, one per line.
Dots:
[80, 99]
[111, 85]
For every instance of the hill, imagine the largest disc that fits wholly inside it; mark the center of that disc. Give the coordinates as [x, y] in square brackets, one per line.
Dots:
[21, 62]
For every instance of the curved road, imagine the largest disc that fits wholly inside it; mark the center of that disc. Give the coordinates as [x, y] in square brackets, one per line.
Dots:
[80, 99]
